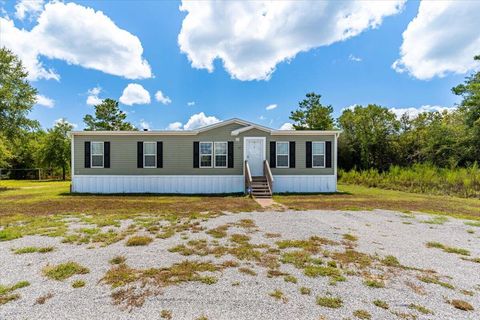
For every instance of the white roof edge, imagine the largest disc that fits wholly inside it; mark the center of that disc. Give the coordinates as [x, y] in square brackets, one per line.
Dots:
[135, 133]
[305, 132]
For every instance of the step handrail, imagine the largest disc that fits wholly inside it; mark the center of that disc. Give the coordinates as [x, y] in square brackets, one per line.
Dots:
[268, 175]
[248, 177]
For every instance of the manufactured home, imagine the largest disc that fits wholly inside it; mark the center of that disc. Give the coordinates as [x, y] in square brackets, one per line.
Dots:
[232, 156]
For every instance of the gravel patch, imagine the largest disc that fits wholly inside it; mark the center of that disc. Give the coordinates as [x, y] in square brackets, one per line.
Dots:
[241, 296]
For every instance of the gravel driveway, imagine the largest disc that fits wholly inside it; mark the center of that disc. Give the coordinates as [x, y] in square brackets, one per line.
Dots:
[403, 290]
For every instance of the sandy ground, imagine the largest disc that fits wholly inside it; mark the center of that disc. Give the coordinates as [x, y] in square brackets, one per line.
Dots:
[380, 233]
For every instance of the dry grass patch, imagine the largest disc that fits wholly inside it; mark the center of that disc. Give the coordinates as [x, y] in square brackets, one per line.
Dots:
[166, 314]
[78, 284]
[356, 258]
[248, 271]
[305, 290]
[391, 261]
[218, 232]
[278, 294]
[461, 305]
[42, 299]
[435, 280]
[138, 241]
[117, 260]
[362, 314]
[350, 237]
[6, 292]
[381, 304]
[290, 279]
[374, 283]
[438, 245]
[64, 271]
[25, 250]
[330, 302]
[420, 308]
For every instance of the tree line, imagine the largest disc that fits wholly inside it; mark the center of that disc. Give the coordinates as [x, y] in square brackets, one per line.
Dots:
[23, 143]
[372, 137]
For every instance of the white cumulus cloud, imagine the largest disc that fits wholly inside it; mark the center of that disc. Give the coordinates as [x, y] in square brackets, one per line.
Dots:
[191, 103]
[144, 124]
[252, 37]
[414, 112]
[160, 97]
[286, 126]
[443, 38]
[271, 107]
[175, 126]
[79, 36]
[93, 99]
[23, 8]
[354, 58]
[134, 93]
[196, 121]
[44, 101]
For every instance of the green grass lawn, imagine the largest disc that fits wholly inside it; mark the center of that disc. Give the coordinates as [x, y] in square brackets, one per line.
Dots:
[38, 198]
[354, 197]
[54, 197]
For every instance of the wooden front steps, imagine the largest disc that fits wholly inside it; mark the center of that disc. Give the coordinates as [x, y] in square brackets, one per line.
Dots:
[260, 188]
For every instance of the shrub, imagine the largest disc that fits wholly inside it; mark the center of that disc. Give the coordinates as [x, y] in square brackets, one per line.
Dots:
[138, 241]
[421, 178]
[64, 271]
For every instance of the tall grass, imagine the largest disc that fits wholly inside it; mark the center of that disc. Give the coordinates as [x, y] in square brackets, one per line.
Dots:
[420, 178]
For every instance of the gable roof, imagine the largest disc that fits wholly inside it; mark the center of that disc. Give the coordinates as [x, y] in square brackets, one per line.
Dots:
[247, 125]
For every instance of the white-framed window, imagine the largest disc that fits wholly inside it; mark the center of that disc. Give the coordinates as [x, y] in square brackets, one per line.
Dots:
[149, 154]
[206, 154]
[318, 154]
[96, 154]
[283, 154]
[221, 154]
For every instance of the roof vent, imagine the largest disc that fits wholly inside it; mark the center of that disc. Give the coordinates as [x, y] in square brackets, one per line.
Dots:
[145, 129]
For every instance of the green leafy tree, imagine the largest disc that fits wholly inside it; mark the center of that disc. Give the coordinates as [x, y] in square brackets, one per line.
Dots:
[470, 107]
[5, 154]
[369, 137]
[312, 115]
[17, 96]
[55, 151]
[108, 117]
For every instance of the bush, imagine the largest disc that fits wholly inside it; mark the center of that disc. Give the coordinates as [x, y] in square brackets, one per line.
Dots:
[420, 178]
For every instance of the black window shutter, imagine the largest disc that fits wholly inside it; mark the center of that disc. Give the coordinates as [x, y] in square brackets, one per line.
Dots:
[273, 154]
[196, 151]
[139, 154]
[87, 154]
[106, 154]
[230, 154]
[292, 154]
[159, 154]
[328, 154]
[308, 154]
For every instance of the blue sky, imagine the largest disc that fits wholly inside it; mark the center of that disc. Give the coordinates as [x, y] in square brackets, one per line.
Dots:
[352, 70]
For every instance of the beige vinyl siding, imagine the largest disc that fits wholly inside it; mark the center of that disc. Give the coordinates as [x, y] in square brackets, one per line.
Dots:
[178, 153]
[300, 152]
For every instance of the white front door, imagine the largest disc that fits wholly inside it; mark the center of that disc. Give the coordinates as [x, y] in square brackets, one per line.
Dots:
[255, 154]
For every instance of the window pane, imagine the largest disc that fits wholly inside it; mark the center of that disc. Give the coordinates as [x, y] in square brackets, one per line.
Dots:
[97, 147]
[150, 161]
[97, 161]
[206, 161]
[220, 148]
[318, 161]
[149, 148]
[220, 161]
[282, 148]
[318, 148]
[205, 148]
[282, 161]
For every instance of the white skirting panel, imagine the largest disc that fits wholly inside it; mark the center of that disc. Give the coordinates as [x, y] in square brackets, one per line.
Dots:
[304, 183]
[158, 184]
